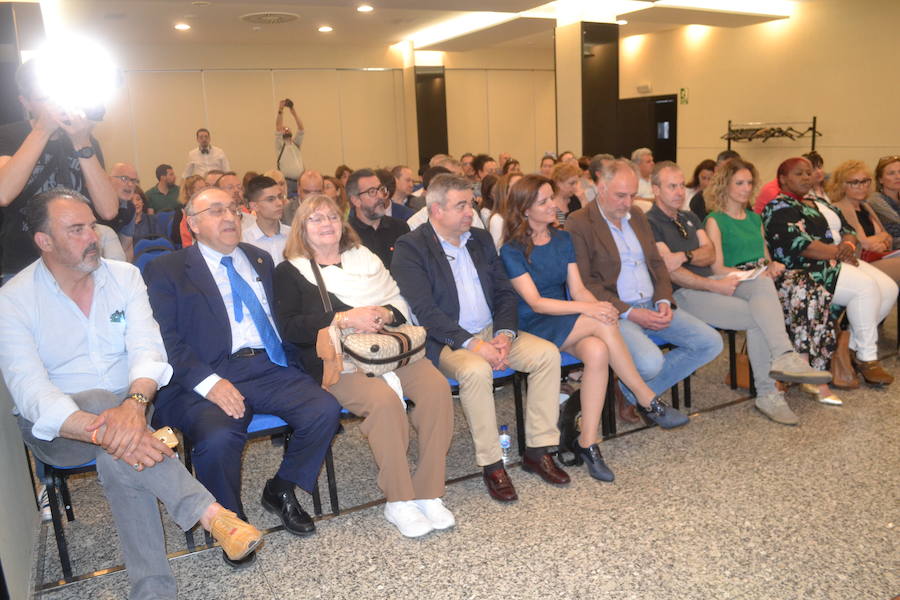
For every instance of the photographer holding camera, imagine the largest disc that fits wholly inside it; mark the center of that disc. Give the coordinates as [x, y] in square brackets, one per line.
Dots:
[53, 148]
[287, 147]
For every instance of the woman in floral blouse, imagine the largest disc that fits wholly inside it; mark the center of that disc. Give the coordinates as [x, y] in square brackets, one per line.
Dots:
[809, 235]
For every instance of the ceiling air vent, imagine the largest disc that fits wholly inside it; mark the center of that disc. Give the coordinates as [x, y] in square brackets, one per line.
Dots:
[269, 18]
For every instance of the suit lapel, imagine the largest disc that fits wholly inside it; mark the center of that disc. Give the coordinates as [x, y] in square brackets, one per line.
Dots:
[604, 236]
[437, 252]
[198, 272]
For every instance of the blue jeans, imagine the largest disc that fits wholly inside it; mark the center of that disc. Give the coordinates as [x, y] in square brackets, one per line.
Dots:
[696, 343]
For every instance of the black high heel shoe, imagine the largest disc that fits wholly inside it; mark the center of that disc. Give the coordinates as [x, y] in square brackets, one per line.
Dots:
[595, 464]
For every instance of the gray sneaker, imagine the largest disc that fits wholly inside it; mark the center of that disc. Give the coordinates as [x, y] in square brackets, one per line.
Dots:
[776, 408]
[793, 368]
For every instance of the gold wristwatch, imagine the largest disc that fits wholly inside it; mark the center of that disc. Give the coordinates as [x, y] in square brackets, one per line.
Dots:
[139, 398]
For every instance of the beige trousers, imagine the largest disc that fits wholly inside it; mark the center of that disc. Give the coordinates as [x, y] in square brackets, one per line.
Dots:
[386, 426]
[529, 354]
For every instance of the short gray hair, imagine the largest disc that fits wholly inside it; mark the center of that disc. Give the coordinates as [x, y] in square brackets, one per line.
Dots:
[660, 166]
[37, 210]
[610, 169]
[441, 185]
[640, 153]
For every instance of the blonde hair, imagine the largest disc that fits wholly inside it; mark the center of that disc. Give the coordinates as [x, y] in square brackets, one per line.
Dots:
[715, 196]
[840, 175]
[190, 184]
[298, 239]
[564, 170]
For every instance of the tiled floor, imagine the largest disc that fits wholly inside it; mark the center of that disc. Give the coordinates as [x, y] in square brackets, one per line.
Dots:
[731, 506]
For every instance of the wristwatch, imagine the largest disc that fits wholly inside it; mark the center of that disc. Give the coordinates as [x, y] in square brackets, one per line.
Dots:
[139, 398]
[689, 255]
[86, 152]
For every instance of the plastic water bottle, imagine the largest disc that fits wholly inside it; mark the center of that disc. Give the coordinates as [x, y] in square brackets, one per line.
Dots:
[505, 444]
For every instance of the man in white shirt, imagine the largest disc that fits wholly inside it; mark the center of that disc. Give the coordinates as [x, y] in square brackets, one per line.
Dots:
[268, 232]
[643, 160]
[85, 400]
[205, 157]
[288, 159]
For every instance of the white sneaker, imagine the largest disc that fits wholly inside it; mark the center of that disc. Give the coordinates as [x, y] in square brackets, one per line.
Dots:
[44, 499]
[435, 511]
[407, 517]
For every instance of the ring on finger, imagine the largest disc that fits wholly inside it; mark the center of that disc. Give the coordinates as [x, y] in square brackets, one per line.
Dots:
[136, 466]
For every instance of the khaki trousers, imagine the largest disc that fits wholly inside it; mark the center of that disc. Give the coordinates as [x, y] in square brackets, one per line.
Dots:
[386, 427]
[530, 354]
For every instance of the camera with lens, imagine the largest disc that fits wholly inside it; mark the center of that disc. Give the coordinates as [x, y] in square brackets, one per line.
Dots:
[288, 103]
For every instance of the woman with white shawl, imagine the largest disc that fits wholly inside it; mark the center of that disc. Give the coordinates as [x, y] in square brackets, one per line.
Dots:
[365, 298]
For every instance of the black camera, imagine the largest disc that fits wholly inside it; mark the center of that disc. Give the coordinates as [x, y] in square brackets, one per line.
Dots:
[288, 103]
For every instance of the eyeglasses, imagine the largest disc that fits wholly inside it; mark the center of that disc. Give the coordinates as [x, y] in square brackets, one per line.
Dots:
[858, 182]
[681, 229]
[219, 210]
[373, 192]
[321, 219]
[127, 179]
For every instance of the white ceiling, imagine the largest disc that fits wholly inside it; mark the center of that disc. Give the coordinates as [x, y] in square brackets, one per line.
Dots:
[128, 22]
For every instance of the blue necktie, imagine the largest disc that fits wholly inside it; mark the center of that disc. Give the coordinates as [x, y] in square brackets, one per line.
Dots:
[242, 295]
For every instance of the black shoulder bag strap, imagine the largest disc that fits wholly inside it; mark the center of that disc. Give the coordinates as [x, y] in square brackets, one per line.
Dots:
[326, 301]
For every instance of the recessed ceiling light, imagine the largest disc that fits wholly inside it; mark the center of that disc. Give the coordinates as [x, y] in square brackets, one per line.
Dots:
[364, 8]
[201, 3]
[326, 29]
[182, 26]
[621, 22]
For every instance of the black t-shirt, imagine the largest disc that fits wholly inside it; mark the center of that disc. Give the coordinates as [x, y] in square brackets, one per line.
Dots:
[666, 231]
[698, 206]
[380, 241]
[57, 166]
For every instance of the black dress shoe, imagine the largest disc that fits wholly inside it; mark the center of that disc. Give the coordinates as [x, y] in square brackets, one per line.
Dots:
[546, 467]
[287, 507]
[243, 563]
[595, 464]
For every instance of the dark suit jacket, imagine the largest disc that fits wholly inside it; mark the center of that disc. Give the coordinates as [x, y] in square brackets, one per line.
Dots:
[423, 273]
[191, 314]
[598, 260]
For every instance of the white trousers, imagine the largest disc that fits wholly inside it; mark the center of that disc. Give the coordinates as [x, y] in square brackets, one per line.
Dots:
[868, 295]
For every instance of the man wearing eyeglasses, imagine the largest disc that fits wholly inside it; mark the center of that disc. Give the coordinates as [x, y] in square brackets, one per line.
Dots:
[377, 231]
[124, 180]
[728, 302]
[213, 302]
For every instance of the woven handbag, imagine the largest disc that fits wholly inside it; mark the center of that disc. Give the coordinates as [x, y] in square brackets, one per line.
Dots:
[378, 353]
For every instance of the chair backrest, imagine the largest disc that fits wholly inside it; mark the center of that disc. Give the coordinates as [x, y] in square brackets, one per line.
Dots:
[164, 222]
[144, 258]
[158, 243]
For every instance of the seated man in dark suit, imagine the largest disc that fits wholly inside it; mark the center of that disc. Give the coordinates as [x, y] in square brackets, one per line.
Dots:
[213, 303]
[457, 288]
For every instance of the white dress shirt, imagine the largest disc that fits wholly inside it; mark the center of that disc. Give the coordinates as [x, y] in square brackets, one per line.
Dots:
[200, 163]
[273, 244]
[243, 334]
[51, 350]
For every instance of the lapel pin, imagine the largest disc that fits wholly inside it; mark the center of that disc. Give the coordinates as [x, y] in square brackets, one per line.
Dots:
[259, 260]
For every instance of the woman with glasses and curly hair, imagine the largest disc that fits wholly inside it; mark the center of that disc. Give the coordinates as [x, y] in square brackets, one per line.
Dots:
[849, 187]
[534, 254]
[807, 234]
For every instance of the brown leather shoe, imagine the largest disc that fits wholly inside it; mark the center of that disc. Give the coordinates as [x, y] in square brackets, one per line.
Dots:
[624, 410]
[237, 538]
[500, 486]
[872, 371]
[547, 468]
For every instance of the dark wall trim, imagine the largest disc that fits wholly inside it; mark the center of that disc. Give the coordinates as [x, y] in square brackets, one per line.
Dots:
[431, 112]
[599, 87]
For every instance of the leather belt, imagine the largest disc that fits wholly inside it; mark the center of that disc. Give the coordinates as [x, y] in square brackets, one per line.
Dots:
[248, 352]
